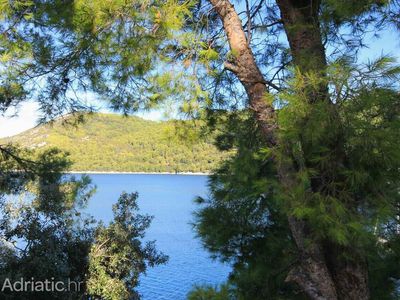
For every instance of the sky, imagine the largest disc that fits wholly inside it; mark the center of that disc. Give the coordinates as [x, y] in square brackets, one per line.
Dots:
[26, 115]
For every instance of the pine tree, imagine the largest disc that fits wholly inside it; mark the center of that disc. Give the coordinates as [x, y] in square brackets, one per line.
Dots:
[315, 174]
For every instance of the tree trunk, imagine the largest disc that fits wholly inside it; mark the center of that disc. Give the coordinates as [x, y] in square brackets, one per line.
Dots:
[319, 275]
[311, 274]
[301, 23]
[245, 68]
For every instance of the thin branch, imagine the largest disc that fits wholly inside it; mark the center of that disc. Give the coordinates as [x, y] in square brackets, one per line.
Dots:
[263, 26]
[256, 10]
[23, 162]
[248, 22]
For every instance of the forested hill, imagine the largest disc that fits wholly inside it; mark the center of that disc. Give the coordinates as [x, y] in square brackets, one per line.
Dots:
[108, 142]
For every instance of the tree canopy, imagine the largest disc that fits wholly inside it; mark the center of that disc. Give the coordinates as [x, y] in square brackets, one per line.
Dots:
[309, 205]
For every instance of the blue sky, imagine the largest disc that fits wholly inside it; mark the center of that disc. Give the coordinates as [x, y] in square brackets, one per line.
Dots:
[27, 114]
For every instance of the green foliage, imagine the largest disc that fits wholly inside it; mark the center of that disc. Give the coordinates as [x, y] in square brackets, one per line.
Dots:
[341, 11]
[117, 258]
[364, 128]
[243, 222]
[115, 143]
[210, 293]
[110, 47]
[353, 204]
[337, 132]
[45, 236]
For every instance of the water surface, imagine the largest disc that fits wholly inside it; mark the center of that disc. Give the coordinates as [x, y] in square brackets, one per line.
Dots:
[169, 198]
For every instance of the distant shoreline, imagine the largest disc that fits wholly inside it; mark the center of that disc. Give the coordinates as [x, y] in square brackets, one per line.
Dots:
[138, 173]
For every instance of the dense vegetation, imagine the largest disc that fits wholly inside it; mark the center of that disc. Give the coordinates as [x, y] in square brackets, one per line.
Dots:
[244, 221]
[45, 235]
[109, 142]
[309, 204]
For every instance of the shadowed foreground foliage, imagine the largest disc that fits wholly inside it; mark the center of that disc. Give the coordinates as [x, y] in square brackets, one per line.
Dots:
[244, 223]
[44, 235]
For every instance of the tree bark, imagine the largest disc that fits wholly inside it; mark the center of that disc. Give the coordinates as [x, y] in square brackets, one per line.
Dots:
[319, 275]
[311, 273]
[245, 68]
[301, 23]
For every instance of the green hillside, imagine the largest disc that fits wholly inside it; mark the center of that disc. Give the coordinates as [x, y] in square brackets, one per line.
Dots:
[107, 142]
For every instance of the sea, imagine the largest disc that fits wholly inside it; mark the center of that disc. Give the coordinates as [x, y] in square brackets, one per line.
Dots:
[169, 198]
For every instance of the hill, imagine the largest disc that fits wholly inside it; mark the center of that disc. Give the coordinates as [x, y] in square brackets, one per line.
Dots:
[108, 142]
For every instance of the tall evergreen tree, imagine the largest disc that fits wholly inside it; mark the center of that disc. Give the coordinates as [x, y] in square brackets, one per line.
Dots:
[323, 187]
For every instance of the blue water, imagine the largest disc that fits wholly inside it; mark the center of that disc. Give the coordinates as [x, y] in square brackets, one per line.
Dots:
[169, 198]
